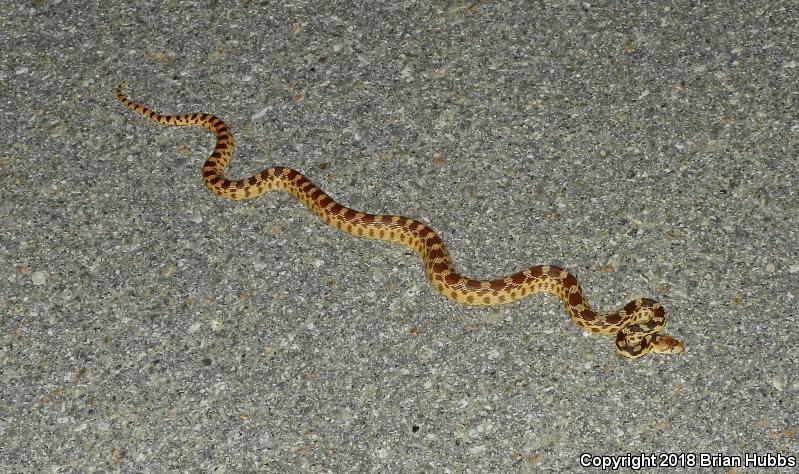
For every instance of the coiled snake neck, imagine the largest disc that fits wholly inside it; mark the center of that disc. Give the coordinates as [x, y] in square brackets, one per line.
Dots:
[636, 326]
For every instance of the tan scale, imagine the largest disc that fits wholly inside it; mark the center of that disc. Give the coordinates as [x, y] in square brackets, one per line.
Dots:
[636, 326]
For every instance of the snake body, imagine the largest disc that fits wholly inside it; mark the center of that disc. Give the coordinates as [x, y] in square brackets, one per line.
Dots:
[636, 326]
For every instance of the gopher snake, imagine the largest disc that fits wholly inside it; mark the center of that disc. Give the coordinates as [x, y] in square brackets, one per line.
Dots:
[636, 325]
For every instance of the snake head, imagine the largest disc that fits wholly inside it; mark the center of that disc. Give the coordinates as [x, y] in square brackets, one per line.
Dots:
[666, 345]
[635, 346]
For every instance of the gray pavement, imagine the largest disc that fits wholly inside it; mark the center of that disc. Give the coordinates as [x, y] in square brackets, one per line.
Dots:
[147, 325]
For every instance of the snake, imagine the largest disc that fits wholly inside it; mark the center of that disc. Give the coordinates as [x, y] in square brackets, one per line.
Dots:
[636, 326]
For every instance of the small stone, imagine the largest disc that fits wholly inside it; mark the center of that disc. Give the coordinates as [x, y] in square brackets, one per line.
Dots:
[39, 278]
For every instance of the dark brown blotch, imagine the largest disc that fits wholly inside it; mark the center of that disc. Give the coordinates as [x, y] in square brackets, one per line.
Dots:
[436, 253]
[473, 285]
[630, 307]
[575, 299]
[555, 271]
[613, 318]
[569, 281]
